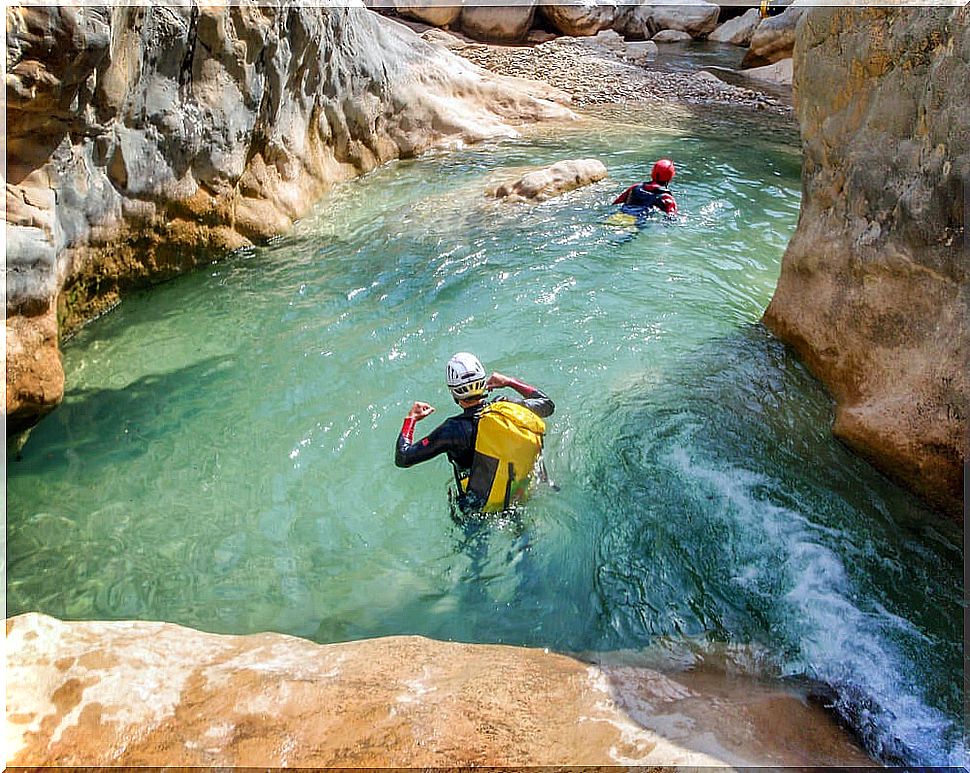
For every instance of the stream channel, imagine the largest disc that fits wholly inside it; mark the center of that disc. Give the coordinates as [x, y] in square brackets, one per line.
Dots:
[223, 458]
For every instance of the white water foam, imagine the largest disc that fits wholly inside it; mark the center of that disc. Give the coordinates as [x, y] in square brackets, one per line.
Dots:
[841, 638]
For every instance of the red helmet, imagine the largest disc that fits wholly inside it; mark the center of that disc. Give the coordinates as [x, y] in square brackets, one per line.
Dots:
[663, 171]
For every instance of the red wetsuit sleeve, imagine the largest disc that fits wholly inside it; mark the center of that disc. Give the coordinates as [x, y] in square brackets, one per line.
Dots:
[621, 199]
[668, 204]
[407, 431]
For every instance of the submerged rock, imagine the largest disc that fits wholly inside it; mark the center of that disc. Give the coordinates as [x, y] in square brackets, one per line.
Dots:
[554, 180]
[156, 694]
[873, 292]
[140, 139]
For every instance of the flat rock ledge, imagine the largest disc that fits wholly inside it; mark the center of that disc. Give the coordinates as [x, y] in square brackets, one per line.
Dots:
[552, 181]
[157, 694]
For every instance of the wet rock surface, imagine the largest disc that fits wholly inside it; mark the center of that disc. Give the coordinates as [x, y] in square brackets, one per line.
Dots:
[561, 177]
[156, 694]
[873, 292]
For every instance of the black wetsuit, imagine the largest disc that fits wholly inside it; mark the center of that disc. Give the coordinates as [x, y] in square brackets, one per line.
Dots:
[455, 436]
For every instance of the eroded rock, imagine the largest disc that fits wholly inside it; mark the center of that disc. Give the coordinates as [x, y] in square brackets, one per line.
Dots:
[644, 20]
[737, 31]
[156, 694]
[140, 139]
[873, 292]
[499, 23]
[587, 17]
[774, 38]
[554, 180]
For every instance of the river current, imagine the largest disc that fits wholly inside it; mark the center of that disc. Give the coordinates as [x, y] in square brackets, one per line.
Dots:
[223, 458]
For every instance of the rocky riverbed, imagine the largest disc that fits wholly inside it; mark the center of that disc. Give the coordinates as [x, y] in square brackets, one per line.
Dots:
[593, 73]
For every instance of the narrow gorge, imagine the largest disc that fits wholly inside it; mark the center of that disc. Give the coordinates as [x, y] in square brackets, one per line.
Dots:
[242, 240]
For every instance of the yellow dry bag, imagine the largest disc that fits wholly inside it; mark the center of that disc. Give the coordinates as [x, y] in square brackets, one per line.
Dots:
[507, 444]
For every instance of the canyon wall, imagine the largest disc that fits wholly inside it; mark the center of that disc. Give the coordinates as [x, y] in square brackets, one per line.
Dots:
[873, 293]
[143, 139]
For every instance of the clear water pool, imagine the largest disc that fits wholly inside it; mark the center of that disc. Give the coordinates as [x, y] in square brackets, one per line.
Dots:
[223, 458]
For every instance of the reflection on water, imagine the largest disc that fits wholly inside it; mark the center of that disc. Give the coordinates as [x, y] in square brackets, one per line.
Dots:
[224, 455]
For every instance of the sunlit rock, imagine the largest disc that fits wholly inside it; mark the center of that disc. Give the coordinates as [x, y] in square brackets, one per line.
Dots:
[774, 38]
[581, 18]
[554, 180]
[645, 19]
[498, 23]
[737, 31]
[155, 694]
[439, 14]
[671, 36]
[873, 292]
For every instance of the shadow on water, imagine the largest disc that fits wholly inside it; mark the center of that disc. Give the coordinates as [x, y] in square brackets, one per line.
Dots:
[734, 520]
[106, 427]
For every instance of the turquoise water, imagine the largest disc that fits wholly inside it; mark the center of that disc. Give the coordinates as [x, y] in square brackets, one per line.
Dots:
[223, 458]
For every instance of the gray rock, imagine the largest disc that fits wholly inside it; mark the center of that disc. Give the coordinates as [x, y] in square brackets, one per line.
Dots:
[585, 17]
[498, 23]
[438, 13]
[737, 31]
[671, 36]
[642, 20]
[774, 39]
[640, 51]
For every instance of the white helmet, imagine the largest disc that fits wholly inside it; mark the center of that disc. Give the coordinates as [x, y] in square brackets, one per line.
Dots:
[465, 376]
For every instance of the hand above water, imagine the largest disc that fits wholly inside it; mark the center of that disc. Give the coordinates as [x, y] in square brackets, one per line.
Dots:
[420, 411]
[497, 381]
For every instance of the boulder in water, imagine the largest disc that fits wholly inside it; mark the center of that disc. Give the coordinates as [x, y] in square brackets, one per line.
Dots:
[433, 12]
[551, 181]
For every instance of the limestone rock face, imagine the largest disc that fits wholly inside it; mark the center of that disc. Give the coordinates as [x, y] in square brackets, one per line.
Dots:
[874, 291]
[738, 30]
[774, 38]
[498, 23]
[141, 138]
[155, 694]
[645, 19]
[582, 18]
[554, 180]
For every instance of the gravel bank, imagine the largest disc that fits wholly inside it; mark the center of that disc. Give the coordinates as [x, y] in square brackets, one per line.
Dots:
[594, 75]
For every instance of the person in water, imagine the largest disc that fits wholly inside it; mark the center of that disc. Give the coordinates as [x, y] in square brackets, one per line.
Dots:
[456, 436]
[655, 193]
